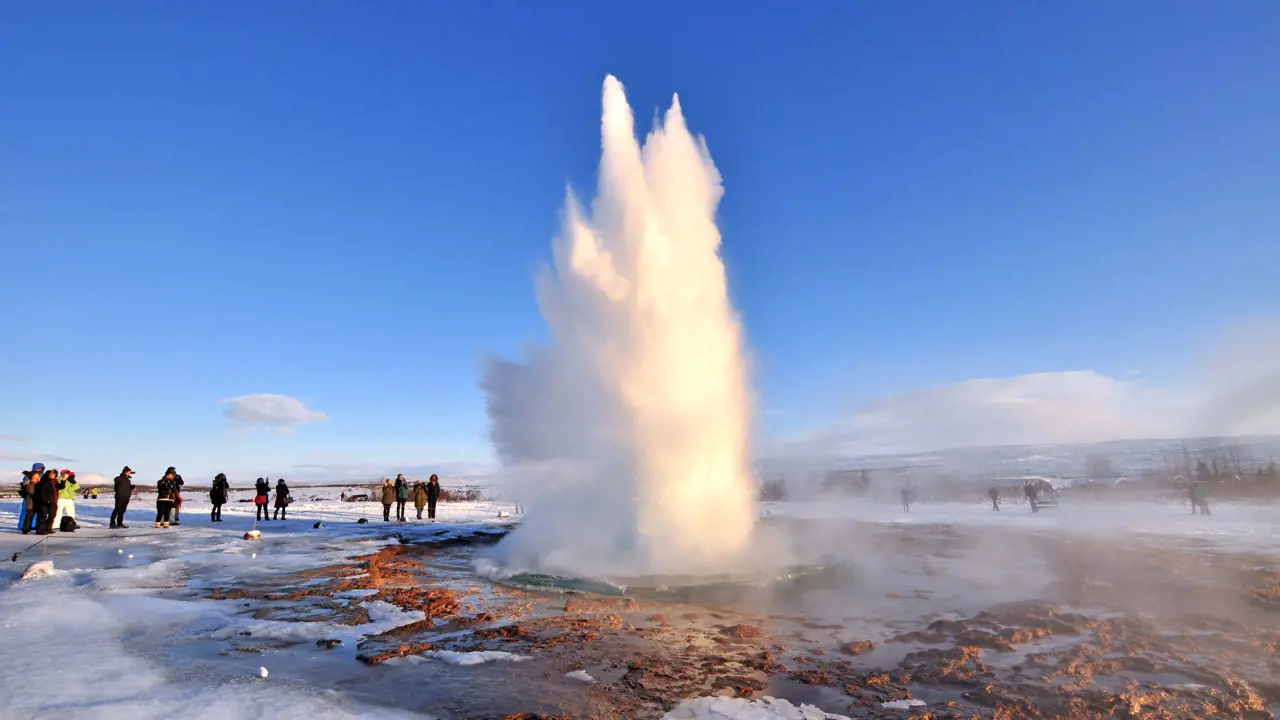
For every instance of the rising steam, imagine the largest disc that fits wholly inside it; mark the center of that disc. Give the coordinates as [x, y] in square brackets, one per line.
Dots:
[630, 433]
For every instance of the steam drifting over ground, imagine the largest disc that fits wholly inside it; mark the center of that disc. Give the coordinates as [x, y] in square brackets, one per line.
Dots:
[635, 421]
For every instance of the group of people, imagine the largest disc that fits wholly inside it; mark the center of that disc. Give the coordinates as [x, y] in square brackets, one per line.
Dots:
[398, 492]
[262, 499]
[168, 498]
[48, 500]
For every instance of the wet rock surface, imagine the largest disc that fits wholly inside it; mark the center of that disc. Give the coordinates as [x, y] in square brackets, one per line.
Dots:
[1170, 631]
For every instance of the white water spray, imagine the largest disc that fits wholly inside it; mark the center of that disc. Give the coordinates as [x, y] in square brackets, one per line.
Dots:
[630, 434]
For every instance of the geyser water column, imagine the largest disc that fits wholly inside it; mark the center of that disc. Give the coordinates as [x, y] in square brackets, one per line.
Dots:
[629, 435]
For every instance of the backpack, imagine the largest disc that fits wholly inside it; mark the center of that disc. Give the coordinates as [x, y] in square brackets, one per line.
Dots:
[68, 524]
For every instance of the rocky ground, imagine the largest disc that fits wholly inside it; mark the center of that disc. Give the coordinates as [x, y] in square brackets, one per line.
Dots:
[1104, 630]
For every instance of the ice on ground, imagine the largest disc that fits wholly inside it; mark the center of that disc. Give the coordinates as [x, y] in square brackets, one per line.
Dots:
[766, 708]
[383, 617]
[478, 657]
[581, 676]
[40, 569]
[903, 704]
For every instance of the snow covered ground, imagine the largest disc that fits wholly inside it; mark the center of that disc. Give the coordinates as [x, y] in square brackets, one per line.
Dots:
[1232, 526]
[120, 634]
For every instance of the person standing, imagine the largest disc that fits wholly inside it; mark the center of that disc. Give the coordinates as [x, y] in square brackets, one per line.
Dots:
[31, 478]
[433, 496]
[388, 499]
[282, 500]
[402, 496]
[218, 496]
[68, 488]
[1032, 491]
[166, 489]
[419, 497]
[261, 498]
[46, 502]
[124, 491]
[994, 494]
[906, 499]
[177, 495]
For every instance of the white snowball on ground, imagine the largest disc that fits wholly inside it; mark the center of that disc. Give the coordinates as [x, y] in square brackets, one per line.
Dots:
[581, 676]
[262, 672]
[38, 569]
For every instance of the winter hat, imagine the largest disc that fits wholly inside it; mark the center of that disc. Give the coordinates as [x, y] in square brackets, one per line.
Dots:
[126, 470]
[66, 473]
[171, 469]
[38, 467]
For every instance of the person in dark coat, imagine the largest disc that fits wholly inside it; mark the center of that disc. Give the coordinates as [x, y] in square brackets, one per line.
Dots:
[402, 496]
[166, 489]
[1032, 491]
[30, 478]
[124, 491]
[388, 499]
[433, 496]
[282, 500]
[46, 497]
[906, 499]
[994, 495]
[177, 495]
[218, 496]
[261, 499]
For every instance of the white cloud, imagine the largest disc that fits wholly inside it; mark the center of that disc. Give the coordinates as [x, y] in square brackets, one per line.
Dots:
[1038, 409]
[279, 412]
[34, 457]
[6, 437]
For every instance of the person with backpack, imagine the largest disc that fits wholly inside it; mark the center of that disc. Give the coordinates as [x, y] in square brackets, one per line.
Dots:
[388, 499]
[46, 494]
[166, 489]
[402, 496]
[433, 496]
[124, 492]
[261, 499]
[419, 497]
[218, 496]
[27, 490]
[68, 488]
[282, 499]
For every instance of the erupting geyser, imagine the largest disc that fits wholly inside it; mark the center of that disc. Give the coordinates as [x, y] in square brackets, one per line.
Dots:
[629, 435]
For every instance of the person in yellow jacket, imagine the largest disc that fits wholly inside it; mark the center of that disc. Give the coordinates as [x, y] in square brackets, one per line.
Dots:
[68, 488]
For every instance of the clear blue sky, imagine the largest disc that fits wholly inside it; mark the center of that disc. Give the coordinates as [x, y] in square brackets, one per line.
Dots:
[346, 202]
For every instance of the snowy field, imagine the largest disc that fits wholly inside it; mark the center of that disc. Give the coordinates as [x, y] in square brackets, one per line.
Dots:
[122, 635]
[1232, 526]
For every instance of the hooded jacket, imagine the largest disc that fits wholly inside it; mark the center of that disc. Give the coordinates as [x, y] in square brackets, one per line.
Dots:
[218, 493]
[419, 495]
[124, 486]
[69, 488]
[46, 491]
[282, 494]
[388, 494]
[166, 488]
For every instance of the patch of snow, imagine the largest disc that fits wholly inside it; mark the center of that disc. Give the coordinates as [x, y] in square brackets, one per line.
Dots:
[767, 708]
[903, 704]
[581, 676]
[475, 658]
[44, 568]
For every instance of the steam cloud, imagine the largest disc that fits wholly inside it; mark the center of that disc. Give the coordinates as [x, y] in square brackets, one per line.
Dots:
[631, 431]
